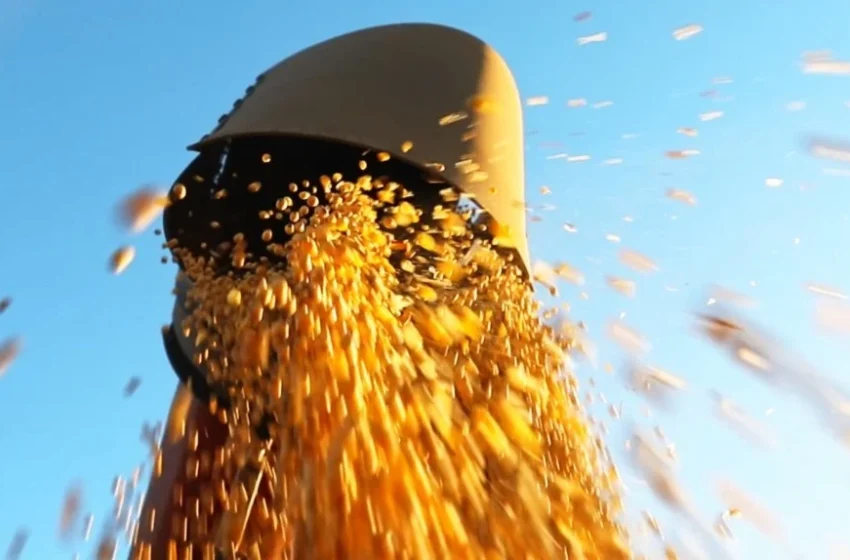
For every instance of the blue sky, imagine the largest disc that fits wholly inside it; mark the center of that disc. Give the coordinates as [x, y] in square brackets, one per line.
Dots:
[101, 97]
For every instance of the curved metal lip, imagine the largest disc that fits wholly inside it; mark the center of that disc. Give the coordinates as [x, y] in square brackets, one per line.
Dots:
[189, 374]
[200, 145]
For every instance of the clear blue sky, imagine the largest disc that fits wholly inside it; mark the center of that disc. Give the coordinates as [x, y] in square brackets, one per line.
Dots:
[100, 97]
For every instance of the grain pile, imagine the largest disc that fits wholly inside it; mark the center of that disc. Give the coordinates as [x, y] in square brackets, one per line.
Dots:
[415, 405]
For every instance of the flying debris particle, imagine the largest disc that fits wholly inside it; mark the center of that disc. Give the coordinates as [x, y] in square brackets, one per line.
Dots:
[569, 273]
[121, 259]
[16, 547]
[721, 528]
[544, 275]
[88, 525]
[141, 208]
[543, 272]
[687, 32]
[752, 349]
[773, 182]
[826, 291]
[70, 511]
[5, 303]
[725, 295]
[627, 338]
[136, 477]
[824, 148]
[822, 62]
[682, 196]
[557, 156]
[658, 474]
[131, 386]
[602, 104]
[681, 154]
[710, 116]
[452, 118]
[537, 101]
[795, 106]
[654, 384]
[613, 161]
[544, 190]
[119, 492]
[652, 523]
[570, 228]
[637, 261]
[720, 330]
[687, 131]
[623, 287]
[406, 146]
[151, 436]
[580, 102]
[582, 16]
[483, 105]
[106, 548]
[612, 238]
[583, 345]
[178, 191]
[575, 159]
[753, 359]
[748, 508]
[671, 452]
[744, 425]
[833, 316]
[818, 55]
[595, 38]
[9, 351]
